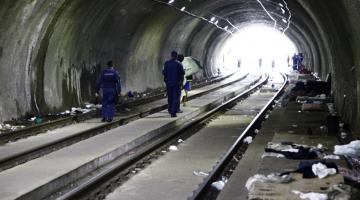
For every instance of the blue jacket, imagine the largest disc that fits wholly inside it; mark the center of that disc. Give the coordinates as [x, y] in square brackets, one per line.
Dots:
[173, 72]
[109, 78]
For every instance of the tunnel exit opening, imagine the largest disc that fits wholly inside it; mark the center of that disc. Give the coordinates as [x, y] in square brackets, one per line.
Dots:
[257, 47]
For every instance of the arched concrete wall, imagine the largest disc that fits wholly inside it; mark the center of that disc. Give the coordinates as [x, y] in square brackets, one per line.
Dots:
[52, 50]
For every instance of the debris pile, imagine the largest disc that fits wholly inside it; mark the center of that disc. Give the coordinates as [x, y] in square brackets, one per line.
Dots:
[8, 127]
[75, 111]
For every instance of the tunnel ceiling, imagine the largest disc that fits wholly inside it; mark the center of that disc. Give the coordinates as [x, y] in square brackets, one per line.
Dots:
[52, 50]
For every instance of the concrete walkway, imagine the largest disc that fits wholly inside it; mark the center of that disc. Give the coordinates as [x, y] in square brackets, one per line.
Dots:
[40, 177]
[284, 124]
[173, 176]
[13, 149]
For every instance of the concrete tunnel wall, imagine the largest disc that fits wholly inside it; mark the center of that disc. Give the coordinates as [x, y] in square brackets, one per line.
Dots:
[52, 51]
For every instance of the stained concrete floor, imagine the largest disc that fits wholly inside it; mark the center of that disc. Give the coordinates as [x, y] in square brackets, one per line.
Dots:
[284, 124]
[38, 177]
[172, 176]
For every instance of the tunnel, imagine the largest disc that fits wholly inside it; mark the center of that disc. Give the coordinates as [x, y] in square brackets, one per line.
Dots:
[51, 52]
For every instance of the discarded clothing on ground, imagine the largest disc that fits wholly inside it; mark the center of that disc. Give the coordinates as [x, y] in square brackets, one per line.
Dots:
[299, 89]
[311, 107]
[322, 170]
[352, 149]
[354, 162]
[298, 154]
[335, 192]
[271, 178]
[311, 195]
[8, 127]
[351, 176]
[318, 87]
[290, 145]
[331, 157]
[318, 99]
[342, 192]
[80, 110]
[311, 88]
[294, 151]
[276, 155]
[306, 168]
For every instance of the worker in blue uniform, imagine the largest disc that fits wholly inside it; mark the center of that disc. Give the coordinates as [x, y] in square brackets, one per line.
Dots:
[109, 82]
[173, 76]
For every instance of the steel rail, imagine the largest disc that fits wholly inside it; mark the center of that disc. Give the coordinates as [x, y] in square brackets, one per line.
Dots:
[35, 129]
[44, 149]
[41, 128]
[161, 95]
[115, 168]
[221, 165]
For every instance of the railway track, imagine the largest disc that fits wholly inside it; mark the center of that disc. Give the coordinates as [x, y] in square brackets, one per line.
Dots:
[61, 122]
[105, 180]
[27, 154]
[205, 190]
[122, 144]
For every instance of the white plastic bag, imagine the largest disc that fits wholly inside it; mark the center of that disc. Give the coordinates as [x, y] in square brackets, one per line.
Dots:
[173, 148]
[322, 171]
[248, 140]
[352, 149]
[219, 185]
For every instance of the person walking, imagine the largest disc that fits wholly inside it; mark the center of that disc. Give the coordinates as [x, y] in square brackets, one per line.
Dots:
[181, 58]
[173, 77]
[109, 82]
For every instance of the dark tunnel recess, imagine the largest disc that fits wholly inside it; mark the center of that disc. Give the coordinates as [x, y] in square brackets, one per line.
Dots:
[51, 51]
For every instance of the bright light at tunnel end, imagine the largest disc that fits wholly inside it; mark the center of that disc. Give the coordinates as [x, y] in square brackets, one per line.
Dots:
[253, 43]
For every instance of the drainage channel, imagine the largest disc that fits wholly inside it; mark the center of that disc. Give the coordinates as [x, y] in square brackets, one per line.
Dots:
[105, 180]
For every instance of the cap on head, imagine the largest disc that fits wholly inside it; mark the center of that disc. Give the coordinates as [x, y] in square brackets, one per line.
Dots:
[174, 54]
[110, 63]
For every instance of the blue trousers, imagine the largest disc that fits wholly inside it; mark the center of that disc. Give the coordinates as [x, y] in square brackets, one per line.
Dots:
[108, 103]
[173, 94]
